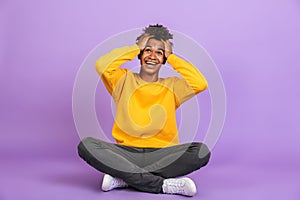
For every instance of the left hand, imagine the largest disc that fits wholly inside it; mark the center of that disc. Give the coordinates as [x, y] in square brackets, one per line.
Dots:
[168, 48]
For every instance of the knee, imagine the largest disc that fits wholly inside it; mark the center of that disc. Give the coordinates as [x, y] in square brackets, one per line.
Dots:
[203, 153]
[84, 144]
[87, 140]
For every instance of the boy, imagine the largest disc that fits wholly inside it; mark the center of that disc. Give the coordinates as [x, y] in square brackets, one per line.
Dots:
[147, 156]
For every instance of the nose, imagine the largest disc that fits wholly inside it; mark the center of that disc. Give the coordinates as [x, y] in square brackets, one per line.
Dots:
[152, 55]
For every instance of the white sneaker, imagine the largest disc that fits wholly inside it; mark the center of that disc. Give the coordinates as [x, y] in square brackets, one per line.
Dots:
[110, 183]
[183, 186]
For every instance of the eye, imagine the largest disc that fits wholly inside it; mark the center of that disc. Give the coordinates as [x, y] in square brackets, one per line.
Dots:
[148, 50]
[159, 53]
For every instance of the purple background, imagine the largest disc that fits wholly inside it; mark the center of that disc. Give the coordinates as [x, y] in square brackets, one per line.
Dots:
[255, 45]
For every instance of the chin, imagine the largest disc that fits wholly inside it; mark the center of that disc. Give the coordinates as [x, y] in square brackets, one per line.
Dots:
[150, 71]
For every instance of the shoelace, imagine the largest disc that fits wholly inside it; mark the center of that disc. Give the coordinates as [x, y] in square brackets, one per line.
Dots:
[117, 182]
[178, 182]
[176, 186]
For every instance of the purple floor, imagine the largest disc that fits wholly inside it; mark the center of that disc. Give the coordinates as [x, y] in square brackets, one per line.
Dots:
[60, 179]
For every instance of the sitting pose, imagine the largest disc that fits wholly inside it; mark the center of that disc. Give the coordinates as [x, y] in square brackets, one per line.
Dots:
[147, 154]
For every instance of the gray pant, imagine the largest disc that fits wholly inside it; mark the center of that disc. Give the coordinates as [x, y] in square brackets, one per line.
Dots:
[143, 168]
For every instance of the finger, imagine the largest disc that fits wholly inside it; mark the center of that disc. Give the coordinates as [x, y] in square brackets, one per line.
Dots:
[168, 46]
[143, 41]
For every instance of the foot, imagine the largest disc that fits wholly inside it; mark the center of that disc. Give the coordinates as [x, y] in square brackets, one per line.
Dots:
[183, 186]
[110, 183]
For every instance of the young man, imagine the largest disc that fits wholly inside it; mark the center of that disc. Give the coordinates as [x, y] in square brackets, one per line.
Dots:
[147, 156]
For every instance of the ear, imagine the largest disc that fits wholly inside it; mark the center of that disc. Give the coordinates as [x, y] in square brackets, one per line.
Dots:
[140, 54]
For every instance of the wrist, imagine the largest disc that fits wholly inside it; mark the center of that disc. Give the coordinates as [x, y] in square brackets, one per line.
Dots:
[170, 57]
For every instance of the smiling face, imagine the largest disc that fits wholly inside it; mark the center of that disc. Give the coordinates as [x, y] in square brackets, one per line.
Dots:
[152, 58]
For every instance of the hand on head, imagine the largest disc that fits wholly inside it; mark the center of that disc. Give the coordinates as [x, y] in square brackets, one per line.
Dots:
[168, 48]
[142, 41]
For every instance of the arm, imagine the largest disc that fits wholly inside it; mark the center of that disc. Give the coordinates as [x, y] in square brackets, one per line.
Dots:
[192, 81]
[191, 74]
[108, 66]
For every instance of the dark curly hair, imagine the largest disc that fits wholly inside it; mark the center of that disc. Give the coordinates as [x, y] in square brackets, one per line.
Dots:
[157, 31]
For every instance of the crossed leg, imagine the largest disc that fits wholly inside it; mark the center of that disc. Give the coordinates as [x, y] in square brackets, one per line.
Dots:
[143, 168]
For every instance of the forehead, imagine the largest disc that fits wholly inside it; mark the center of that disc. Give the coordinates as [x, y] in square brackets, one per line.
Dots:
[156, 44]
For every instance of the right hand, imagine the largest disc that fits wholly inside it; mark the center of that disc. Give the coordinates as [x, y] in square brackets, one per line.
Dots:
[143, 41]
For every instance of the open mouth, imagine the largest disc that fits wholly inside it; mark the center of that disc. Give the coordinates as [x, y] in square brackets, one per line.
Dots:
[151, 63]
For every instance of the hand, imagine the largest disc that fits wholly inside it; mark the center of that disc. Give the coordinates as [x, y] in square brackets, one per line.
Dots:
[143, 41]
[168, 48]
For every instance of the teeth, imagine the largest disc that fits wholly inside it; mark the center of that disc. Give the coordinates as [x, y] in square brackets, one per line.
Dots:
[151, 63]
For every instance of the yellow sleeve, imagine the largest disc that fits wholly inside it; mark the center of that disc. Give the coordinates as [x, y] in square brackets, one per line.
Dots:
[108, 66]
[192, 81]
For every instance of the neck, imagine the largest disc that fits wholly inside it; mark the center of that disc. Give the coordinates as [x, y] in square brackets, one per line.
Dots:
[149, 77]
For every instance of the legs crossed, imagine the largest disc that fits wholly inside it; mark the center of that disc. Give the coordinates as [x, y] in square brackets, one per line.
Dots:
[143, 168]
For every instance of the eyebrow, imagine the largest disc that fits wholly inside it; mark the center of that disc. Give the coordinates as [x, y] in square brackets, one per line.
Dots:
[157, 49]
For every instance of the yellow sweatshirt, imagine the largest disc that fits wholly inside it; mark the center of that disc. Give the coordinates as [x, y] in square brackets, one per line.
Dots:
[145, 111]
